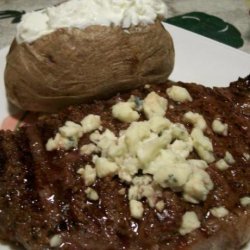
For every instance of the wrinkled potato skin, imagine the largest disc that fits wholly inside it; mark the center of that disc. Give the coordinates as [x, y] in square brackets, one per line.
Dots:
[71, 66]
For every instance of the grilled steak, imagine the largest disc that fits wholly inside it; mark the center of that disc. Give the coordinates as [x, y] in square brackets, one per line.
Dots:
[42, 196]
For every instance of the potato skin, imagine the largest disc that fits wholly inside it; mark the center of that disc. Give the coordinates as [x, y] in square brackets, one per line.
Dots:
[71, 66]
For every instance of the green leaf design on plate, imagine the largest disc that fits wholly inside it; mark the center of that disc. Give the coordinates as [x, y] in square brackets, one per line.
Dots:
[209, 26]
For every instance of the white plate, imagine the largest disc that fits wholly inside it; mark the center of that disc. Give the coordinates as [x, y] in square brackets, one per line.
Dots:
[198, 59]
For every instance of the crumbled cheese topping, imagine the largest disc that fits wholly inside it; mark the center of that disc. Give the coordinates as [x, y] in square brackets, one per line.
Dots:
[122, 191]
[88, 149]
[222, 165]
[90, 123]
[174, 176]
[156, 148]
[70, 133]
[203, 145]
[149, 149]
[154, 105]
[91, 194]
[103, 141]
[55, 241]
[124, 111]
[198, 186]
[245, 201]
[179, 94]
[160, 205]
[229, 158]
[144, 187]
[196, 119]
[105, 167]
[219, 127]
[158, 124]
[198, 163]
[219, 212]
[61, 142]
[183, 148]
[71, 129]
[246, 156]
[136, 209]
[190, 222]
[88, 174]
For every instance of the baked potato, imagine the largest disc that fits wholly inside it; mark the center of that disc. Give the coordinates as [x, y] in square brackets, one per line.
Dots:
[72, 65]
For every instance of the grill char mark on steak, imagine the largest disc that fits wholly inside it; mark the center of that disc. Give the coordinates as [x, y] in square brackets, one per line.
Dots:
[41, 195]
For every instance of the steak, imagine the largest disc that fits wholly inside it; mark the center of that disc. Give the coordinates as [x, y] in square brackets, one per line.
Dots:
[41, 194]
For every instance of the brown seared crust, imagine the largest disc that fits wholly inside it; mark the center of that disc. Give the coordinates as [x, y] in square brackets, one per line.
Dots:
[71, 66]
[41, 194]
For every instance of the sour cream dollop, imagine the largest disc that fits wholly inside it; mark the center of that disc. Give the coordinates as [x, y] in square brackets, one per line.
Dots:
[84, 13]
